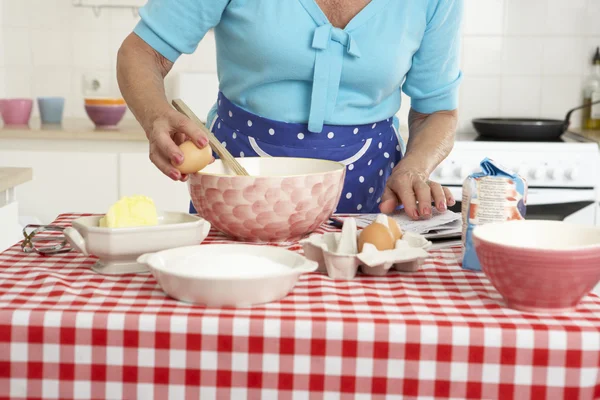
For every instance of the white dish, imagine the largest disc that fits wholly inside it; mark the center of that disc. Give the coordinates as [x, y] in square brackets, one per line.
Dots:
[118, 248]
[212, 274]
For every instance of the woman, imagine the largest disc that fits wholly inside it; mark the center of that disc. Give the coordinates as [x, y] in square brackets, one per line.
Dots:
[311, 78]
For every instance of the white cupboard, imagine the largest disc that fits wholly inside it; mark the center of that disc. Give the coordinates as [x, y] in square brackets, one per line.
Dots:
[82, 180]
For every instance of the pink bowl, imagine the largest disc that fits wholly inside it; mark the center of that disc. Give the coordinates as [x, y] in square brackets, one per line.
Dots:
[16, 111]
[106, 117]
[539, 266]
[284, 199]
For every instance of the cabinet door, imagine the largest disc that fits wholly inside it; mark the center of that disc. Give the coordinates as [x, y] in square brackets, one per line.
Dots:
[139, 176]
[64, 182]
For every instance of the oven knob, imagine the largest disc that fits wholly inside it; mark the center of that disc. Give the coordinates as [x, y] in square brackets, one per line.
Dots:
[522, 170]
[571, 173]
[554, 173]
[535, 173]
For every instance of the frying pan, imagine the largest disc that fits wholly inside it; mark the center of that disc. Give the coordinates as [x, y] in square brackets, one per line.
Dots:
[524, 129]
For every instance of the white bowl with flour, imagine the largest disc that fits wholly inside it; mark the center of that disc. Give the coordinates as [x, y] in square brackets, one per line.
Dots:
[227, 275]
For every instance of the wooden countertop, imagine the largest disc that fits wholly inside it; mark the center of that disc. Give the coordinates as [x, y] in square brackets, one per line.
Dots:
[75, 129]
[11, 177]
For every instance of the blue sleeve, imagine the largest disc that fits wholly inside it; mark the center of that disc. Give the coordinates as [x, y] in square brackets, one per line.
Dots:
[432, 82]
[175, 27]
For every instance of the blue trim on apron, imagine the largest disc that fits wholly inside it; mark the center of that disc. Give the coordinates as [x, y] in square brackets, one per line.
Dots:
[369, 152]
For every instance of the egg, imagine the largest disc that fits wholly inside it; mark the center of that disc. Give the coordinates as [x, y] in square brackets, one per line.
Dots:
[395, 228]
[194, 158]
[378, 235]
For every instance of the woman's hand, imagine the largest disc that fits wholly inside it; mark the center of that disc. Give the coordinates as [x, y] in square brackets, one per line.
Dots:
[165, 134]
[411, 187]
[140, 73]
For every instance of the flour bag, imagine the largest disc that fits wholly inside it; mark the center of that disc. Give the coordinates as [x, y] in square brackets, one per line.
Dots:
[493, 195]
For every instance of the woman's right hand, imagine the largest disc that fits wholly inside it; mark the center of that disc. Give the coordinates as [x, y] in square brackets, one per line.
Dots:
[165, 133]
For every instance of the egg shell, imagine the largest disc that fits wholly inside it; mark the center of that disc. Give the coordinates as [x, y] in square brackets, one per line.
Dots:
[194, 158]
[378, 235]
[395, 228]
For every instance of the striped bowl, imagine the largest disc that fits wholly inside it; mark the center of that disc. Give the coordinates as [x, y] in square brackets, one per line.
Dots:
[539, 266]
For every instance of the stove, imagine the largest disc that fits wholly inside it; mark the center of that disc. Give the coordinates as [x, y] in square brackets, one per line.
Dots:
[563, 175]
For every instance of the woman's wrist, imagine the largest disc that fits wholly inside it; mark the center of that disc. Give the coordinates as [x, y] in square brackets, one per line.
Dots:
[423, 163]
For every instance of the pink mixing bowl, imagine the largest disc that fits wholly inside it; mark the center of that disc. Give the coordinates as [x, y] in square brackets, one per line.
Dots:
[16, 111]
[106, 116]
[283, 199]
[539, 266]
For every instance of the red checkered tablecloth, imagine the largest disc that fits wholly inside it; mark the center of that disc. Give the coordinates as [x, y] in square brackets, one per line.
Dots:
[67, 332]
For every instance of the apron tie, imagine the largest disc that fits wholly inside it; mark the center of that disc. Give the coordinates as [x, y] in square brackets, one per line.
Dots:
[330, 44]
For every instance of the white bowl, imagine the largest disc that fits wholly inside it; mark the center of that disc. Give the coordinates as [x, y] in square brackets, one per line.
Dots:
[224, 275]
[118, 248]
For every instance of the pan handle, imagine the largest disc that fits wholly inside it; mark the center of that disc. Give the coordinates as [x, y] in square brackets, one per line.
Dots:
[568, 116]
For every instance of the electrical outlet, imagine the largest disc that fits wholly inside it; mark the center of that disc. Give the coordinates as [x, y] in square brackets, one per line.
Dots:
[95, 84]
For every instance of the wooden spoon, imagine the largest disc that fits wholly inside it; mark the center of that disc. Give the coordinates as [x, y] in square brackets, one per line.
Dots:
[221, 151]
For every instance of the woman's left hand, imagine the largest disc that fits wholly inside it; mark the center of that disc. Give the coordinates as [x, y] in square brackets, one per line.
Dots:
[411, 187]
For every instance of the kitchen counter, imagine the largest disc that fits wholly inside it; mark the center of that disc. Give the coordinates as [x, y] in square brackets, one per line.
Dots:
[10, 178]
[75, 129]
[13, 177]
[588, 134]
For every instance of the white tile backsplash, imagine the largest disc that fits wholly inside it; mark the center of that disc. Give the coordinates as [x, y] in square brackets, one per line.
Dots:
[563, 56]
[52, 81]
[520, 96]
[566, 17]
[519, 57]
[17, 47]
[526, 17]
[91, 49]
[2, 82]
[522, 55]
[592, 18]
[49, 14]
[483, 17]
[51, 48]
[489, 55]
[479, 97]
[18, 82]
[560, 94]
[16, 13]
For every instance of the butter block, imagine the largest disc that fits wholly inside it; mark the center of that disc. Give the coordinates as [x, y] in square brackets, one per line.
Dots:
[130, 212]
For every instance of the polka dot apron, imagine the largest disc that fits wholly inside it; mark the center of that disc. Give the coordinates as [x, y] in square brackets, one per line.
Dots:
[368, 151]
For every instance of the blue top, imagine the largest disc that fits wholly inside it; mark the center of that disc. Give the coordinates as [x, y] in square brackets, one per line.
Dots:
[283, 60]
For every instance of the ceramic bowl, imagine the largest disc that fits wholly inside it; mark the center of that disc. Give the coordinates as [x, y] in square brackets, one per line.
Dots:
[106, 116]
[117, 249]
[104, 101]
[283, 199]
[539, 266]
[16, 111]
[223, 275]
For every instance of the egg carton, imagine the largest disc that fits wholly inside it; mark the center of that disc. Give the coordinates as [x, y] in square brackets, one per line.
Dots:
[337, 253]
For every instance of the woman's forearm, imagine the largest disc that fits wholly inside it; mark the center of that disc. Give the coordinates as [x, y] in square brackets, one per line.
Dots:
[431, 138]
[140, 73]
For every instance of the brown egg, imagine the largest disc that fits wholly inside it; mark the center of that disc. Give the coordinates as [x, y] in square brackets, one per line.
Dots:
[378, 235]
[395, 229]
[194, 158]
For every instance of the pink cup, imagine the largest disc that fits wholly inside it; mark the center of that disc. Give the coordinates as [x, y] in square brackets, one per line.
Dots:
[16, 111]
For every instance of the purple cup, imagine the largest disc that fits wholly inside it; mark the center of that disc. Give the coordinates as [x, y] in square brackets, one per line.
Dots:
[16, 111]
[106, 117]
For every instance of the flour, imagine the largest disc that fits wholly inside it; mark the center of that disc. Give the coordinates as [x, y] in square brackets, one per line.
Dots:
[229, 266]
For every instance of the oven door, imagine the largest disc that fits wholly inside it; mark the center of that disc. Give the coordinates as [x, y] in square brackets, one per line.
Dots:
[570, 205]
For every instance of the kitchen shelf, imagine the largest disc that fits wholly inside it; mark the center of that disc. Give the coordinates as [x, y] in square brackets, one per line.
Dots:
[98, 6]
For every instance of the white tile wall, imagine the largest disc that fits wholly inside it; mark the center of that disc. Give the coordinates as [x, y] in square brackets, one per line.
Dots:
[519, 57]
